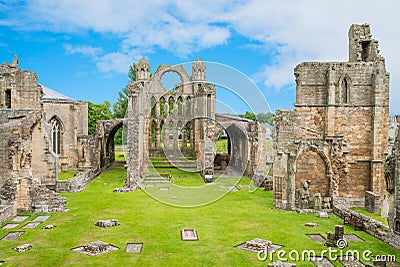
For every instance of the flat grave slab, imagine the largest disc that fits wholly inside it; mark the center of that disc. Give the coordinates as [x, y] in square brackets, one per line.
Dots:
[133, 247]
[316, 238]
[353, 238]
[189, 234]
[323, 214]
[31, 225]
[350, 261]
[163, 188]
[12, 235]
[10, 226]
[258, 244]
[19, 218]
[321, 262]
[42, 218]
[95, 248]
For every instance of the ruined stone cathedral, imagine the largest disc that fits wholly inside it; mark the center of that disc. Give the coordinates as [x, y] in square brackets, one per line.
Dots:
[332, 145]
[335, 140]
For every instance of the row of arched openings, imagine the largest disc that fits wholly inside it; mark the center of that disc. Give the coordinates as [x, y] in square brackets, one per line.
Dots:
[167, 134]
[169, 105]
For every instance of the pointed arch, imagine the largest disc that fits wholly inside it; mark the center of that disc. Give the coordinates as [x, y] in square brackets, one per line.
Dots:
[162, 106]
[57, 131]
[344, 89]
[153, 107]
[180, 108]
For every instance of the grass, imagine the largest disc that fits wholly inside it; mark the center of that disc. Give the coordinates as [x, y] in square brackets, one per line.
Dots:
[233, 219]
[374, 216]
[67, 175]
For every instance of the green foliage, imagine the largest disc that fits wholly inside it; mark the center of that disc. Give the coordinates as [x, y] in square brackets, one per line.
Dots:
[249, 115]
[266, 117]
[261, 117]
[97, 112]
[121, 105]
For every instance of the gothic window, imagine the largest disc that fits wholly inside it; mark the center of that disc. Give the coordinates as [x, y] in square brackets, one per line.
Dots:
[56, 134]
[8, 98]
[344, 96]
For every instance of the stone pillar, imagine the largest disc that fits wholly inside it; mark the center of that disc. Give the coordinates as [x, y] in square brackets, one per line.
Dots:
[330, 114]
[183, 132]
[136, 135]
[158, 134]
[291, 190]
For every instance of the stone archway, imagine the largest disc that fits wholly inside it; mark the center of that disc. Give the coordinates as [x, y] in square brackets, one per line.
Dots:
[311, 167]
[106, 131]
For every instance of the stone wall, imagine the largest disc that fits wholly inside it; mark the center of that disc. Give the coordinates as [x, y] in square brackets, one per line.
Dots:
[73, 118]
[19, 88]
[79, 182]
[336, 136]
[369, 225]
[6, 213]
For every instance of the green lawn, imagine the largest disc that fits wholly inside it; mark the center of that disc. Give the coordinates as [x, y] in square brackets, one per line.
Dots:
[233, 219]
[67, 175]
[374, 216]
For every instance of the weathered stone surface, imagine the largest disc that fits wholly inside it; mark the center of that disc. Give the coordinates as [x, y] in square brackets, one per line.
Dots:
[95, 248]
[22, 248]
[335, 139]
[107, 223]
[187, 111]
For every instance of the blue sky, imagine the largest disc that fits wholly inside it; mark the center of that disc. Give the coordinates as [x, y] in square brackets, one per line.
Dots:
[83, 48]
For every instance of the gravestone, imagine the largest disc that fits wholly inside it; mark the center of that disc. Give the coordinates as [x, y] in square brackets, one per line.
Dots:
[10, 226]
[19, 218]
[317, 201]
[133, 247]
[107, 223]
[372, 202]
[12, 235]
[22, 248]
[189, 234]
[42, 218]
[31, 225]
[95, 248]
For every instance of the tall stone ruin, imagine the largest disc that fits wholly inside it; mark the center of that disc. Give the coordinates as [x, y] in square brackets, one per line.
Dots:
[157, 116]
[335, 139]
[27, 166]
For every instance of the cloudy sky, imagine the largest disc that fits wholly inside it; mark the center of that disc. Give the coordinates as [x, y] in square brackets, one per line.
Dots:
[83, 48]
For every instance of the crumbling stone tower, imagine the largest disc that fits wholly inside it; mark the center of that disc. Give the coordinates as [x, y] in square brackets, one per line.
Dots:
[335, 139]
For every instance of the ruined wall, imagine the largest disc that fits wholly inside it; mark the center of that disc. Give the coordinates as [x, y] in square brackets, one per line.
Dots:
[19, 88]
[74, 120]
[341, 113]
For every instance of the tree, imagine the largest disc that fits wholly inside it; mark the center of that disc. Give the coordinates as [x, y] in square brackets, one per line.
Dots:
[260, 117]
[97, 112]
[249, 115]
[121, 105]
[266, 117]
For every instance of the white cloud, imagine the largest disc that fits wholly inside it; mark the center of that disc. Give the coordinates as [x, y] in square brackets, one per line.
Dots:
[291, 31]
[90, 51]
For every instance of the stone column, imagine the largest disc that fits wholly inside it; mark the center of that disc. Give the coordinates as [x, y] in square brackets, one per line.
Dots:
[183, 132]
[158, 134]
